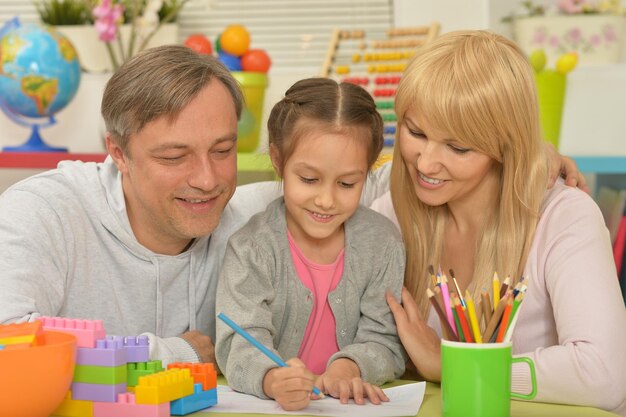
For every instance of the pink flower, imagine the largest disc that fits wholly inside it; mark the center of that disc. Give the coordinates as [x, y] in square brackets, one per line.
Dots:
[107, 18]
[554, 41]
[539, 37]
[609, 34]
[595, 40]
[572, 6]
[574, 35]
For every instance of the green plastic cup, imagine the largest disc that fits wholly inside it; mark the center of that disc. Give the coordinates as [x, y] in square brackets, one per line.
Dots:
[253, 85]
[551, 94]
[476, 379]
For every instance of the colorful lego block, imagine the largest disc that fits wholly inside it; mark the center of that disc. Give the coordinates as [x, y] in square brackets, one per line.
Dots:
[126, 406]
[21, 333]
[199, 400]
[136, 370]
[203, 373]
[86, 331]
[74, 408]
[164, 386]
[107, 352]
[108, 375]
[97, 392]
[137, 349]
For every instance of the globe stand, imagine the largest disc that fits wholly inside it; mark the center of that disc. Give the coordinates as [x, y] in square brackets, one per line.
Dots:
[34, 143]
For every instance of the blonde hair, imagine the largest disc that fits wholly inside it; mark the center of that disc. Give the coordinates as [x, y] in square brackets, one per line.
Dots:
[478, 87]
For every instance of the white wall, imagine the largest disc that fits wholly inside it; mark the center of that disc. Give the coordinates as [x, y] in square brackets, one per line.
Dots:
[80, 128]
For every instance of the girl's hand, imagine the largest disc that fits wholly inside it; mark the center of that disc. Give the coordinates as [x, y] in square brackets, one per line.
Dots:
[420, 341]
[342, 380]
[290, 386]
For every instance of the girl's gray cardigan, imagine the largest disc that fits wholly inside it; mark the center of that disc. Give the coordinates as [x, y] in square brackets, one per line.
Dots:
[258, 289]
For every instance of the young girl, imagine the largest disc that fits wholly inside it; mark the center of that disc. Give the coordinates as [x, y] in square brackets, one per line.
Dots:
[307, 278]
[468, 188]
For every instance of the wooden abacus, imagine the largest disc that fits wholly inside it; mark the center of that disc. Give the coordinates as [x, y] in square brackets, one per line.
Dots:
[376, 61]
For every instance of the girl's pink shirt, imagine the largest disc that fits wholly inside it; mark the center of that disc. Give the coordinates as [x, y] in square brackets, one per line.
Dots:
[319, 342]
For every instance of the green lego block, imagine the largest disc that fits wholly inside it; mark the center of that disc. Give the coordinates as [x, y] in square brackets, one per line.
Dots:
[106, 375]
[138, 369]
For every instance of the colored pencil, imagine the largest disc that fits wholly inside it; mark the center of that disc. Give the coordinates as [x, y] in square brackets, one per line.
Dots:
[514, 314]
[504, 323]
[471, 311]
[439, 299]
[463, 320]
[496, 290]
[495, 318]
[445, 326]
[505, 286]
[458, 290]
[431, 271]
[516, 289]
[509, 332]
[259, 346]
[459, 329]
[478, 308]
[446, 300]
[487, 312]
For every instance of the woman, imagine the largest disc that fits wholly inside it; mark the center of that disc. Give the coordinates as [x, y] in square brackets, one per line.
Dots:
[468, 193]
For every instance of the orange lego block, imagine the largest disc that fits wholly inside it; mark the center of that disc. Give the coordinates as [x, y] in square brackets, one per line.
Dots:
[202, 373]
[74, 408]
[164, 386]
[21, 333]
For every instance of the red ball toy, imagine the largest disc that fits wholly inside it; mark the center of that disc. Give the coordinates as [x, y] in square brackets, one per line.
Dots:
[256, 60]
[199, 43]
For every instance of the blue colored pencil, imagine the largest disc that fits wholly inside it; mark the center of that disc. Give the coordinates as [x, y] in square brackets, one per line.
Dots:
[259, 346]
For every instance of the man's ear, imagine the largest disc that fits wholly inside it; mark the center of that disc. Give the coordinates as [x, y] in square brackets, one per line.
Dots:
[276, 160]
[113, 149]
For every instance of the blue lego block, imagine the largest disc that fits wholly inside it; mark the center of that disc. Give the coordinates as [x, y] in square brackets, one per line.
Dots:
[197, 401]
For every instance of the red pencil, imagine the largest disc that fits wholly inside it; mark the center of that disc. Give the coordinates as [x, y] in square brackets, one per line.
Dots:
[463, 319]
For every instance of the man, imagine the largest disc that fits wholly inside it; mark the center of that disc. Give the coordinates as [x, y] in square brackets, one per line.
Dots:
[138, 240]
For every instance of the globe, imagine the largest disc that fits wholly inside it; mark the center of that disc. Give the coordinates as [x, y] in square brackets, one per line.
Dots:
[39, 76]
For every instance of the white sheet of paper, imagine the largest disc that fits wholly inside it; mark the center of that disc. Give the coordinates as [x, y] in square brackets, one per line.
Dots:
[404, 400]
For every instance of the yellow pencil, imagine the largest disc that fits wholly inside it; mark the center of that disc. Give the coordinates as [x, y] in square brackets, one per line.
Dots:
[496, 290]
[472, 316]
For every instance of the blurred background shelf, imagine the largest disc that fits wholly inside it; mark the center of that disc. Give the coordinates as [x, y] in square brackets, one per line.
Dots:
[15, 166]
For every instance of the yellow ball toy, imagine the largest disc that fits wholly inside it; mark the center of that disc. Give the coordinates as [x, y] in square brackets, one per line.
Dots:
[235, 40]
[566, 62]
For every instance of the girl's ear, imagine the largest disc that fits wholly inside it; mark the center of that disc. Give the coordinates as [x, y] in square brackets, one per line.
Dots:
[276, 160]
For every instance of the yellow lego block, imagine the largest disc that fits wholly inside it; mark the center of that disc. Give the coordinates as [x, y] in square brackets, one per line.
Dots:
[164, 386]
[74, 408]
[21, 333]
